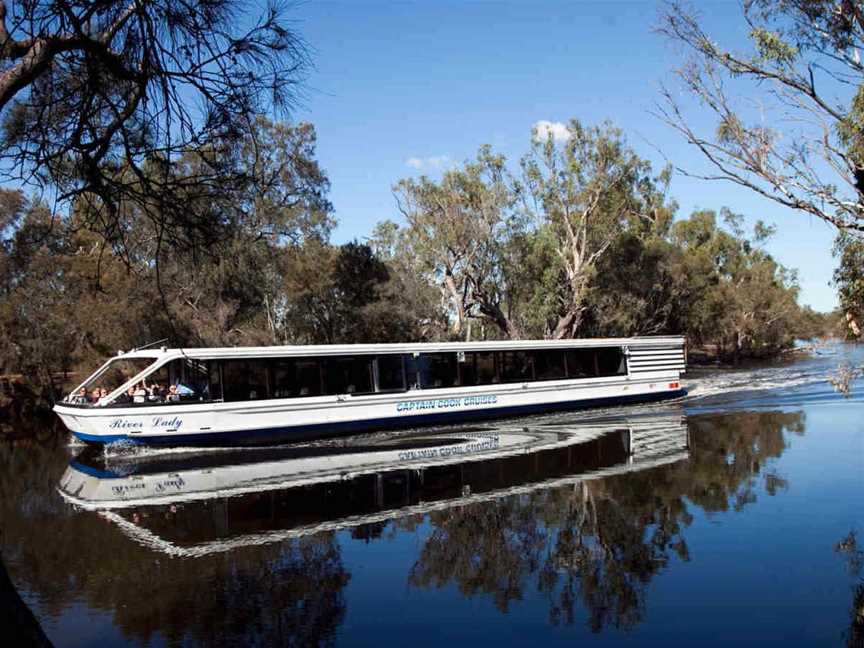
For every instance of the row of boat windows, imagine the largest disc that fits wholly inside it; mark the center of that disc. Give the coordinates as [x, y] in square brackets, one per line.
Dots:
[256, 379]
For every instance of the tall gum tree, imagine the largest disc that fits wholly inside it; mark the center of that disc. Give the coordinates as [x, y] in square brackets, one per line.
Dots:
[584, 191]
[458, 228]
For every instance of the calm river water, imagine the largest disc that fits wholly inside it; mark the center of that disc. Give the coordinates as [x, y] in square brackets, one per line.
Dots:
[734, 516]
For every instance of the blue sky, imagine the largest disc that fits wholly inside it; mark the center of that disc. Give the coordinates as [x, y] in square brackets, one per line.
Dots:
[402, 85]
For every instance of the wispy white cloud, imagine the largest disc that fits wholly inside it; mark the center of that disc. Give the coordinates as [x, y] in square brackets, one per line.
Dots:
[433, 162]
[544, 128]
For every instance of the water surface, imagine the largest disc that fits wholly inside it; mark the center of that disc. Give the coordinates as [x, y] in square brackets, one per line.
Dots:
[729, 517]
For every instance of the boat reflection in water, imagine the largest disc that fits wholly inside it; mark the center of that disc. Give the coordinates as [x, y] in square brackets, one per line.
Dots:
[190, 505]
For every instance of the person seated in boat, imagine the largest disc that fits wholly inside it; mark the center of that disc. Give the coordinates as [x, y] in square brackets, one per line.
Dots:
[102, 393]
[172, 396]
[127, 396]
[155, 393]
[183, 390]
[140, 393]
[80, 397]
[94, 396]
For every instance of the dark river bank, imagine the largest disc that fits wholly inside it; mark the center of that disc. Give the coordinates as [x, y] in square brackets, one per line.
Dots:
[735, 516]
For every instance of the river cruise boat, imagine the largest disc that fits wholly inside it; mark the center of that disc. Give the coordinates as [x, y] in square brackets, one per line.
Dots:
[263, 395]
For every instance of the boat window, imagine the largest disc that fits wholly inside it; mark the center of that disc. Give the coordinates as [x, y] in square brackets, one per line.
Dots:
[549, 365]
[479, 368]
[412, 371]
[308, 371]
[437, 370]
[349, 375]
[295, 377]
[611, 362]
[580, 363]
[391, 373]
[244, 380]
[113, 375]
[516, 366]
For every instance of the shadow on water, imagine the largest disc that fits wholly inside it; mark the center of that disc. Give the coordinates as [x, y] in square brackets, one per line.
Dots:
[579, 513]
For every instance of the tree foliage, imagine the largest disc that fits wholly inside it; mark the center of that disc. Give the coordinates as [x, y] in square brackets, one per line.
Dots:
[585, 191]
[99, 100]
[788, 110]
[849, 279]
[581, 241]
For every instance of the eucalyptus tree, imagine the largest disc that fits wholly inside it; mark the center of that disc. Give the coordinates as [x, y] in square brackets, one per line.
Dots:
[99, 99]
[849, 279]
[787, 108]
[458, 228]
[582, 193]
[737, 296]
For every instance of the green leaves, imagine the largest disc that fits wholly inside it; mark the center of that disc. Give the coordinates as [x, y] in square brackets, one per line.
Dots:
[849, 280]
[772, 48]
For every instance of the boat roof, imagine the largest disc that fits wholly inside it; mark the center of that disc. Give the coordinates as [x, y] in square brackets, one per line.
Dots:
[204, 353]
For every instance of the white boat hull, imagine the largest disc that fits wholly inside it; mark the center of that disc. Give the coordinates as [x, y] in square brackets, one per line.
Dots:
[295, 419]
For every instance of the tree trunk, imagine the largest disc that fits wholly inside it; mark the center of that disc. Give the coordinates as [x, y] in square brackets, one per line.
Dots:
[567, 325]
[494, 313]
[458, 304]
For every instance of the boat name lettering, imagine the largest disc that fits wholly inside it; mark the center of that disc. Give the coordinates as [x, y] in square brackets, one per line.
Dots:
[446, 403]
[173, 422]
[480, 445]
[127, 488]
[123, 424]
[175, 484]
[162, 422]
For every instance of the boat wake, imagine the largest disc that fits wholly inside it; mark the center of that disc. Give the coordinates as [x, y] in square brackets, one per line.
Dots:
[807, 381]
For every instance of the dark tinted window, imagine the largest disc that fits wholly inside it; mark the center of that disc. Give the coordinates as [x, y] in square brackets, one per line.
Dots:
[479, 368]
[348, 375]
[516, 366]
[549, 365]
[610, 362]
[309, 379]
[244, 380]
[391, 373]
[295, 377]
[412, 371]
[589, 363]
[580, 363]
[437, 370]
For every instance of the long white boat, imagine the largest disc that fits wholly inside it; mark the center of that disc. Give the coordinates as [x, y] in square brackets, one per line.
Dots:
[261, 395]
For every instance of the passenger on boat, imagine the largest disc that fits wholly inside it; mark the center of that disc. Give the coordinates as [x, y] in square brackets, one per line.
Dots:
[183, 390]
[80, 397]
[155, 393]
[173, 396]
[102, 393]
[140, 394]
[94, 396]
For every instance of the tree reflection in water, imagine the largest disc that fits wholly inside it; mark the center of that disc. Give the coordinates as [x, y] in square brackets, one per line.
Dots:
[848, 547]
[285, 594]
[600, 542]
[594, 545]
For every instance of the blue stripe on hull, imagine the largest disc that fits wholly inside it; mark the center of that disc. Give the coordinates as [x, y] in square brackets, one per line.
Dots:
[304, 432]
